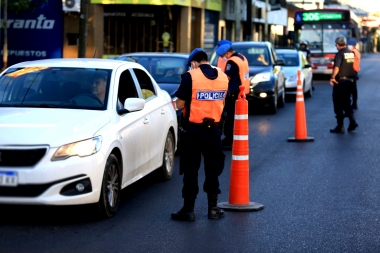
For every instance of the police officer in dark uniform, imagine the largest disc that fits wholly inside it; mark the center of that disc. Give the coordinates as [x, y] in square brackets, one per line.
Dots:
[343, 80]
[201, 93]
[237, 70]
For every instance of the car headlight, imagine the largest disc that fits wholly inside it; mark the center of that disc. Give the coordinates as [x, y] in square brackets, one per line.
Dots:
[292, 78]
[262, 77]
[80, 148]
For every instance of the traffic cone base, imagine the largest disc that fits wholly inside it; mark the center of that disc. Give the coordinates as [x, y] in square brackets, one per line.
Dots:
[294, 139]
[251, 206]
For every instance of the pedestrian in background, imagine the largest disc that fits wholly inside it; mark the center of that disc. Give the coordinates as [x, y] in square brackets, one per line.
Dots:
[352, 46]
[237, 70]
[201, 93]
[343, 80]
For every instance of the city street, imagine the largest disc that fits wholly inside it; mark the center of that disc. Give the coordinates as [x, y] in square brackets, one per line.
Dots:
[321, 196]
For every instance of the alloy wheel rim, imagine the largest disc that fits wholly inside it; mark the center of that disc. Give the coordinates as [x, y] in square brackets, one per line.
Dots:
[112, 185]
[169, 155]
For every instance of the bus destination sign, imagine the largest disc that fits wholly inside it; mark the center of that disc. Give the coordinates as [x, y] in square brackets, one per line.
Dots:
[319, 16]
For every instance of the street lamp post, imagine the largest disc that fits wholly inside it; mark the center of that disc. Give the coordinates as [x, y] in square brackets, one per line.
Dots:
[266, 20]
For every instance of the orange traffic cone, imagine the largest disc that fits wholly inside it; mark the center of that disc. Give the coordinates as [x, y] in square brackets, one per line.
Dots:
[300, 121]
[239, 181]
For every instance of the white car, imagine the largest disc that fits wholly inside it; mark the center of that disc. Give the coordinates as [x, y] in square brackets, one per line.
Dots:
[294, 61]
[66, 138]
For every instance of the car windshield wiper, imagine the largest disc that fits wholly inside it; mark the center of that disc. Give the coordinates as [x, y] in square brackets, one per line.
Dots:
[35, 105]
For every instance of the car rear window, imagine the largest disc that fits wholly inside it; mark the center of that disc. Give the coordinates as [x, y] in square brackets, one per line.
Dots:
[289, 58]
[163, 69]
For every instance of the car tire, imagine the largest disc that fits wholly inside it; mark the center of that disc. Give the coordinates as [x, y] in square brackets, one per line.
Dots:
[168, 157]
[281, 100]
[273, 106]
[309, 93]
[111, 188]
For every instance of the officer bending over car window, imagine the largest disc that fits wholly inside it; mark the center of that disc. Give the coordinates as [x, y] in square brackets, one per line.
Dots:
[201, 95]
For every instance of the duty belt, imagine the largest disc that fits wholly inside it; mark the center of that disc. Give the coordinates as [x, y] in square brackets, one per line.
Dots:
[347, 78]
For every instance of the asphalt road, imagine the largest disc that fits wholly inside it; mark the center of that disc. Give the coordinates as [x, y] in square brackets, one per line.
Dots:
[322, 196]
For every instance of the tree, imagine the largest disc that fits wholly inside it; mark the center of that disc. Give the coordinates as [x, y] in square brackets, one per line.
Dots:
[16, 6]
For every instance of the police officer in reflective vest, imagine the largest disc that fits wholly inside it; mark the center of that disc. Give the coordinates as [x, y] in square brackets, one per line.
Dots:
[343, 80]
[352, 46]
[201, 94]
[237, 70]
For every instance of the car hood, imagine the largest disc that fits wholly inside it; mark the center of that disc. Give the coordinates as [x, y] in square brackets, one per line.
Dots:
[290, 71]
[258, 69]
[170, 88]
[45, 126]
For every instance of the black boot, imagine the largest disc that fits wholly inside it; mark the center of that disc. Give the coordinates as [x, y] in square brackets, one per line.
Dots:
[339, 129]
[214, 212]
[353, 124]
[187, 211]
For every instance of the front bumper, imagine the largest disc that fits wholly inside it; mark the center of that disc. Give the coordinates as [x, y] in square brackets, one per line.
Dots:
[53, 183]
[262, 94]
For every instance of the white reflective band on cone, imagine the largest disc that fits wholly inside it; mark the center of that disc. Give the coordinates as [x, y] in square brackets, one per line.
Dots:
[299, 99]
[240, 157]
[299, 93]
[241, 137]
[243, 116]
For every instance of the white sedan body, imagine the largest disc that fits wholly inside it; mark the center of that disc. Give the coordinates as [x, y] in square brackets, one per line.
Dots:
[47, 146]
[296, 61]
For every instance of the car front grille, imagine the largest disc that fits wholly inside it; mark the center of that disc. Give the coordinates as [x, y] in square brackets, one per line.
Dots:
[20, 157]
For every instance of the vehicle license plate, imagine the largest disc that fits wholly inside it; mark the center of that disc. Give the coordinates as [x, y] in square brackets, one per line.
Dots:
[322, 67]
[8, 178]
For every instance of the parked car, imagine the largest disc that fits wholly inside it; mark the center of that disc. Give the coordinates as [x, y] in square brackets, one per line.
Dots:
[294, 61]
[267, 77]
[165, 68]
[77, 131]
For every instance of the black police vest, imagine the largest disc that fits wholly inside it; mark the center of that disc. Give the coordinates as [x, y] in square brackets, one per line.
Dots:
[346, 69]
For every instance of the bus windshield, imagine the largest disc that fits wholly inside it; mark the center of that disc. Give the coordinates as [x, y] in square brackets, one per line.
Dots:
[321, 37]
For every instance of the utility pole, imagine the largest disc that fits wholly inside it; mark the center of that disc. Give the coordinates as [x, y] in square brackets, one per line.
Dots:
[266, 20]
[83, 17]
[249, 20]
[5, 28]
[237, 19]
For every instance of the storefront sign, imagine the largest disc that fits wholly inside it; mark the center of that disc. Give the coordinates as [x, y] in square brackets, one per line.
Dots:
[35, 35]
[215, 5]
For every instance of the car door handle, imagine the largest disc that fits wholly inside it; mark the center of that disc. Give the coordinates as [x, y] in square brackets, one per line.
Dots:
[146, 120]
[163, 111]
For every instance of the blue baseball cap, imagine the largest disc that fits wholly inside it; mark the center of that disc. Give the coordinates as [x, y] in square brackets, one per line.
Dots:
[193, 53]
[351, 42]
[221, 50]
[222, 42]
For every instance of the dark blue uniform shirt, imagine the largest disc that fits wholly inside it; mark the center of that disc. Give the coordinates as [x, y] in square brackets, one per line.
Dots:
[232, 70]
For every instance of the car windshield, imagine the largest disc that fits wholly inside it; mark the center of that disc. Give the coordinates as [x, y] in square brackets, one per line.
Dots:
[291, 59]
[55, 87]
[163, 69]
[256, 55]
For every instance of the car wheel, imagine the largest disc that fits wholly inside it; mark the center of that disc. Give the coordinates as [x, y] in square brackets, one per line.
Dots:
[273, 106]
[309, 93]
[111, 188]
[168, 157]
[281, 100]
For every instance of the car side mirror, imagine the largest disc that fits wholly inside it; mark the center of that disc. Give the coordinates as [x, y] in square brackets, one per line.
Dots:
[307, 66]
[280, 62]
[132, 105]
